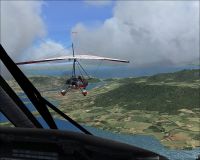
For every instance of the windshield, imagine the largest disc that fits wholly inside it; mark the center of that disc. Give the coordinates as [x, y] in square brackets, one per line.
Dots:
[151, 102]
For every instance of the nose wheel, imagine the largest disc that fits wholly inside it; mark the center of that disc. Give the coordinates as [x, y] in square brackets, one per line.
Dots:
[84, 92]
[64, 91]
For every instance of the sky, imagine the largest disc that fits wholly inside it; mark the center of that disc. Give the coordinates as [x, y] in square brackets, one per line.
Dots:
[144, 32]
[61, 17]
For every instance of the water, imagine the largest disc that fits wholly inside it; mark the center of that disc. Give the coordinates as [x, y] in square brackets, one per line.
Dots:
[145, 142]
[142, 141]
[113, 72]
[148, 143]
[28, 104]
[94, 85]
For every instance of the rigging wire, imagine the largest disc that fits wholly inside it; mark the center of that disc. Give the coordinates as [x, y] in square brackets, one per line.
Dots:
[72, 71]
[98, 67]
[80, 70]
[84, 70]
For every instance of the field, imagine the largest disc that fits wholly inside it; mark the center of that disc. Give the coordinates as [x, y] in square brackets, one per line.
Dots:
[164, 105]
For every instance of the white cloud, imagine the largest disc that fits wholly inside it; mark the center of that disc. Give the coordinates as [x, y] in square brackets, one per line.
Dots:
[165, 32]
[142, 31]
[98, 2]
[21, 24]
[47, 49]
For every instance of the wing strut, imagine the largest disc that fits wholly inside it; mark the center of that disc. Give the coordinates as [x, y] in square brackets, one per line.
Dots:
[74, 63]
[18, 102]
[35, 97]
[28, 88]
[83, 69]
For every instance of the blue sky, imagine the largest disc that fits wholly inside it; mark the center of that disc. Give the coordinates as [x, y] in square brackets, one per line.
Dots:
[61, 16]
[145, 32]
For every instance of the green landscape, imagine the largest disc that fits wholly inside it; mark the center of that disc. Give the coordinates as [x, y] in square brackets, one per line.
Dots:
[166, 106]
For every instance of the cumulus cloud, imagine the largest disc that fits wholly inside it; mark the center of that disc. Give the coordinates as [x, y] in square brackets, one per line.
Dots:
[47, 49]
[156, 32]
[21, 24]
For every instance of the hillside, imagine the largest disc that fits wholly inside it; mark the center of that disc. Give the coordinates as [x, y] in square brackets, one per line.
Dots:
[165, 106]
[167, 92]
[168, 110]
[168, 99]
[181, 76]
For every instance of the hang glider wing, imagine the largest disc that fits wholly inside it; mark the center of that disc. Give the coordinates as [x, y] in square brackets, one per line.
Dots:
[91, 57]
[69, 58]
[46, 60]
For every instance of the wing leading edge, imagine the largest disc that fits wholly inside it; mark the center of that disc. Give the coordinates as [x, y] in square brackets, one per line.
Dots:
[69, 58]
